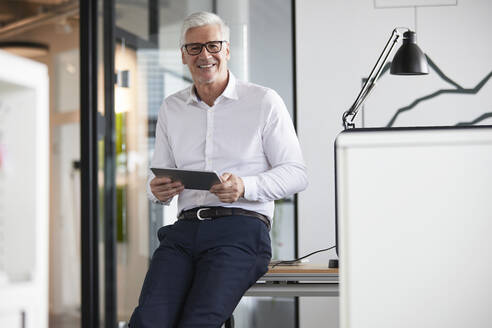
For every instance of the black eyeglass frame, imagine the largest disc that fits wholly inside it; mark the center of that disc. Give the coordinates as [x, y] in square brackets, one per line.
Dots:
[202, 45]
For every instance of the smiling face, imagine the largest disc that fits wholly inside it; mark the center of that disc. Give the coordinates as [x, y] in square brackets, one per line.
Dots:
[206, 68]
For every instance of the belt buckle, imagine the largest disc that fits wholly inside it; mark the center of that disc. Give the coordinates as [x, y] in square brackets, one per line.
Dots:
[198, 214]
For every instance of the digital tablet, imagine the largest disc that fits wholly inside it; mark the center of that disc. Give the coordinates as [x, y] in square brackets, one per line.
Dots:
[191, 179]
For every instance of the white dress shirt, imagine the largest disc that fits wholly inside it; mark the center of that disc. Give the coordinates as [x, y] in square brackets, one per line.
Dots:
[247, 132]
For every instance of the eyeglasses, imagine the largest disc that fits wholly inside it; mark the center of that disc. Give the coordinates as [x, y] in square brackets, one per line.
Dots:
[194, 49]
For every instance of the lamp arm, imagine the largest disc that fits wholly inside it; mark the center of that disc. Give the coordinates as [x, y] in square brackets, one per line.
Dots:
[349, 116]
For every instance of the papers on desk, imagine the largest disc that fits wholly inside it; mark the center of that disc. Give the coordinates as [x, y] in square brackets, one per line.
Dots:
[288, 262]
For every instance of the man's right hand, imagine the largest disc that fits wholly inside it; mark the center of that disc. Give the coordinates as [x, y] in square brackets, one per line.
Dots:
[164, 189]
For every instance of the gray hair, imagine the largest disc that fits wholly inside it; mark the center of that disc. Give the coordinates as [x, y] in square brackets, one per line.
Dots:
[203, 18]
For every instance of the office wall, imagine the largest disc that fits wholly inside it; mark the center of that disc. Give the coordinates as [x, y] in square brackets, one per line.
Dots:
[338, 42]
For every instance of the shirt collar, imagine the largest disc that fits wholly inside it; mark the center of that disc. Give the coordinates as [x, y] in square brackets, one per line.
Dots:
[231, 88]
[229, 92]
[192, 95]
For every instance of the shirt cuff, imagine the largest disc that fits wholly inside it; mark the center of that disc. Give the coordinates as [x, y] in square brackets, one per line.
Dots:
[155, 200]
[250, 188]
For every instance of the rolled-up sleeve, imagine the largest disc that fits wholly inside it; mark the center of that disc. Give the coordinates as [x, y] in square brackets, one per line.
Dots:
[287, 175]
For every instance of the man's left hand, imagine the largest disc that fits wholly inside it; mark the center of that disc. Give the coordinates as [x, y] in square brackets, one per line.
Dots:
[231, 188]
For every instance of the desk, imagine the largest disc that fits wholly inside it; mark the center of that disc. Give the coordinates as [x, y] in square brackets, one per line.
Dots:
[294, 280]
[297, 280]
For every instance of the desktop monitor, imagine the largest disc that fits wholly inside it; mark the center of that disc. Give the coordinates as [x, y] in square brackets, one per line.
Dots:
[414, 218]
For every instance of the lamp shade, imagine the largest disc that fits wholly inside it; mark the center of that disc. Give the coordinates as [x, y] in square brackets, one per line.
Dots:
[409, 59]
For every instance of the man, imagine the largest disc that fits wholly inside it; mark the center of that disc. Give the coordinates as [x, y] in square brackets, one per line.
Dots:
[202, 267]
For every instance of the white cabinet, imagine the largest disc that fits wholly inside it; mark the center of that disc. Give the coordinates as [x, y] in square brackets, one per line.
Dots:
[24, 190]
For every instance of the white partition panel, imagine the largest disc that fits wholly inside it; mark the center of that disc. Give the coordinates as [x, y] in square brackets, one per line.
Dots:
[24, 192]
[414, 214]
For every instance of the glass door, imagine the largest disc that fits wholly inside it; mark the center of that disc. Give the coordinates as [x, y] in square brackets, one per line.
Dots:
[145, 65]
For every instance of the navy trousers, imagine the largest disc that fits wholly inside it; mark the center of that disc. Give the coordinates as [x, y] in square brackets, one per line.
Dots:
[200, 271]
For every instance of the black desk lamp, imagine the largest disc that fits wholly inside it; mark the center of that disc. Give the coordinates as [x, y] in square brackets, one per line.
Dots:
[408, 60]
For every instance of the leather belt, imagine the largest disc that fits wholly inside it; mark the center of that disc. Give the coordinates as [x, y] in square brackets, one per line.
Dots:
[208, 213]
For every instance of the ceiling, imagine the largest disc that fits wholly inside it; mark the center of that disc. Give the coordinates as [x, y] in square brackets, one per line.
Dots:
[12, 11]
[17, 16]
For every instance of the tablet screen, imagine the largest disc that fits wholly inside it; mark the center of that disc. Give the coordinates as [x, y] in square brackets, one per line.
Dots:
[191, 179]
